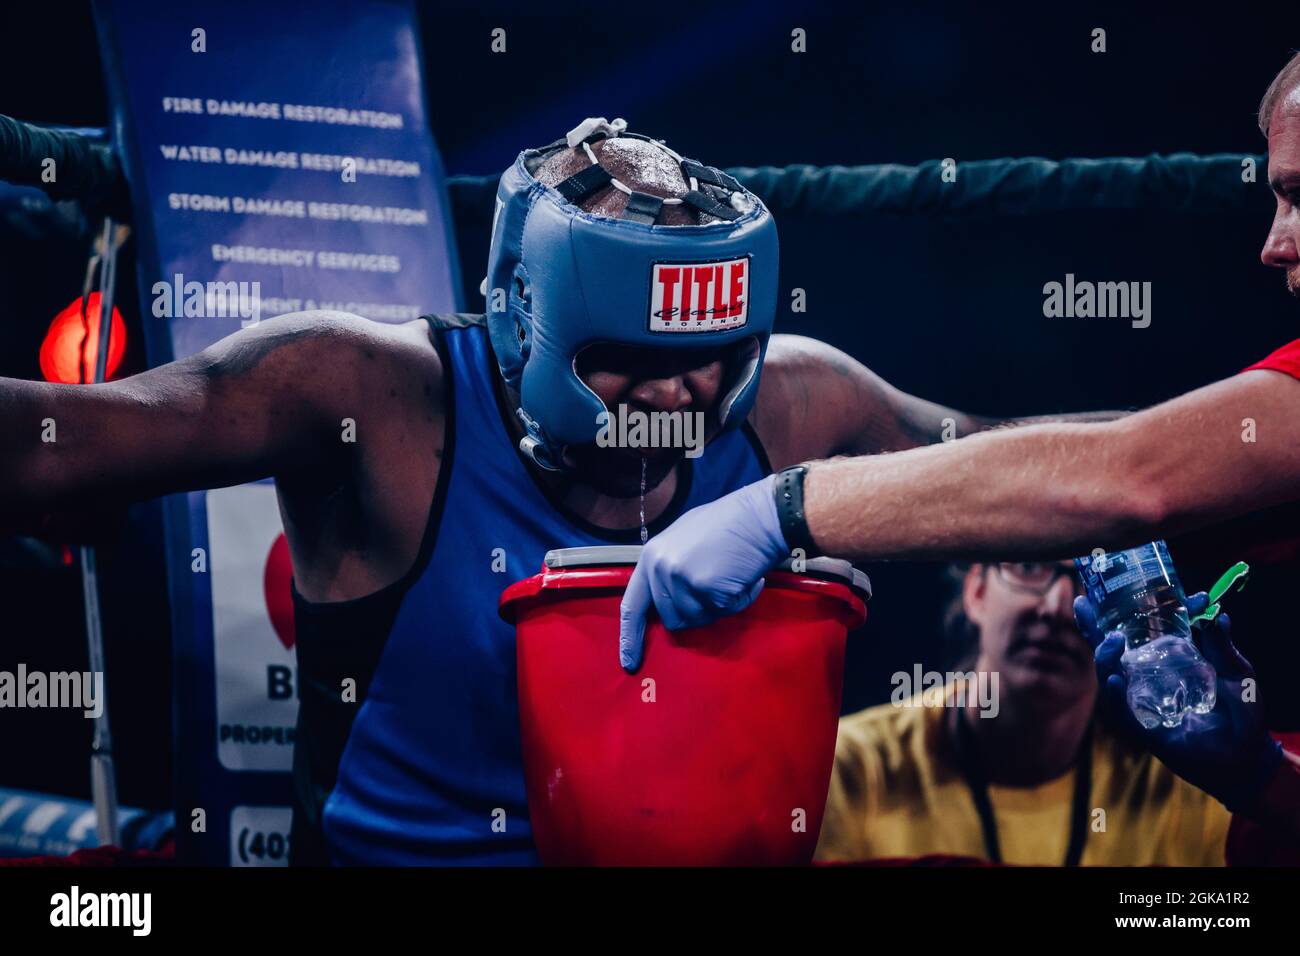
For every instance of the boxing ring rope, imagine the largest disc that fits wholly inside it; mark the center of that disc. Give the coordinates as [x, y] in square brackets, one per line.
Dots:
[85, 167]
[1179, 182]
[89, 171]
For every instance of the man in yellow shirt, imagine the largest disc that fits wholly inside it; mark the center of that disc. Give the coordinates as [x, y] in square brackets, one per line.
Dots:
[1009, 761]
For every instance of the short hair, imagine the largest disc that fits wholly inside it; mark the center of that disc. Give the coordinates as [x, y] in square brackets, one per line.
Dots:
[1286, 81]
[636, 164]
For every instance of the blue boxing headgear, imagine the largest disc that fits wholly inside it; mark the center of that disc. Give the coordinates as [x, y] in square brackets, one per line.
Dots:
[560, 279]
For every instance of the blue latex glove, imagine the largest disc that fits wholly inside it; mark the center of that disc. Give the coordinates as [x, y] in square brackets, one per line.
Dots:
[707, 564]
[1227, 752]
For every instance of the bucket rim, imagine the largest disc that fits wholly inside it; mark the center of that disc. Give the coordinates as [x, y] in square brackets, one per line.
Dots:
[552, 584]
[836, 569]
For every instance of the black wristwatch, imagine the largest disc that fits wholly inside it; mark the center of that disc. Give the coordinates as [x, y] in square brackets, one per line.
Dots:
[789, 509]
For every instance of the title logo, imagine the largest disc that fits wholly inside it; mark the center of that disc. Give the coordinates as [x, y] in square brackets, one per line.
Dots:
[699, 296]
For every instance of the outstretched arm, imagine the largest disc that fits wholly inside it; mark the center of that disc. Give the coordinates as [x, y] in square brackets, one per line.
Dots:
[1057, 490]
[816, 401]
[265, 401]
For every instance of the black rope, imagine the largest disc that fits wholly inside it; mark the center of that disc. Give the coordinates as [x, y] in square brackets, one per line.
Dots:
[84, 169]
[1181, 182]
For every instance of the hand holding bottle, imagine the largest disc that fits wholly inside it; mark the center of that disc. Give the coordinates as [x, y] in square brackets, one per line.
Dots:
[1227, 752]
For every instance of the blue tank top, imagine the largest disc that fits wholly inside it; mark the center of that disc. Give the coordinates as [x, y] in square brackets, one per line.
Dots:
[432, 771]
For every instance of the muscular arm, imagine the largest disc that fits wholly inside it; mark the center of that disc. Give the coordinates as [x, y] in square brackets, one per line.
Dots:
[822, 402]
[1055, 490]
[265, 401]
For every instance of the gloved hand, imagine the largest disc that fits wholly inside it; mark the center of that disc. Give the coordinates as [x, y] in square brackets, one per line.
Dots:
[1228, 752]
[707, 564]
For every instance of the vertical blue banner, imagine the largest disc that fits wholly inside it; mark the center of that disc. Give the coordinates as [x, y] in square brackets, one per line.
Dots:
[280, 160]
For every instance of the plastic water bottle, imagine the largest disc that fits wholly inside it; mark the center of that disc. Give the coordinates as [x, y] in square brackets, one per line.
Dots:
[1137, 592]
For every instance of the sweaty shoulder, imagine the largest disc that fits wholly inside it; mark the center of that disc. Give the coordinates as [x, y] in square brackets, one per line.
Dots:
[341, 358]
[807, 390]
[381, 384]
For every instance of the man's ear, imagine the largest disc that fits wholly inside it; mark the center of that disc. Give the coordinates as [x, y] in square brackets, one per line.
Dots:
[974, 589]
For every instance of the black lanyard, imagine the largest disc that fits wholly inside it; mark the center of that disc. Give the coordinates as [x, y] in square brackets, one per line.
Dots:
[971, 768]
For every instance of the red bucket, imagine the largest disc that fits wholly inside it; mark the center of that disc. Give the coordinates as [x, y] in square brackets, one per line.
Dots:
[718, 751]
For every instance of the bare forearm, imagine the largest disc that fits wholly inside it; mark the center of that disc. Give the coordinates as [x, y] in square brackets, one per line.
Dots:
[1064, 418]
[838, 405]
[915, 422]
[984, 495]
[23, 426]
[38, 495]
[1056, 490]
[59, 443]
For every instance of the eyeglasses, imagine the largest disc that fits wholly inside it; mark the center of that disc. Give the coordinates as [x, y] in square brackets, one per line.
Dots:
[1033, 577]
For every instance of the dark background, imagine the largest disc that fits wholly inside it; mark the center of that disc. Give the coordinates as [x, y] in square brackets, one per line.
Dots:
[945, 307]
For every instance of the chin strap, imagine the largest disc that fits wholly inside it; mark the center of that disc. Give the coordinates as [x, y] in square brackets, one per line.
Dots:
[534, 445]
